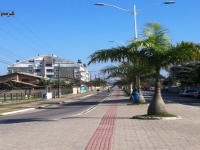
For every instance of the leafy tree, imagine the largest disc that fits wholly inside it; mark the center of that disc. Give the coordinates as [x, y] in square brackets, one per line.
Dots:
[187, 74]
[10, 85]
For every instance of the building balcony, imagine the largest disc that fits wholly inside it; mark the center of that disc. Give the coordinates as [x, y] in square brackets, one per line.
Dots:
[49, 67]
[49, 73]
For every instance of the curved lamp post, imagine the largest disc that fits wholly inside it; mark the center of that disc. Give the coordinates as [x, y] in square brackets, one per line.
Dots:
[134, 11]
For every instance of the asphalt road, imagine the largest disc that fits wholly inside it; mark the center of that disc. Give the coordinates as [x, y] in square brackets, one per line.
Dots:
[169, 97]
[62, 111]
[83, 105]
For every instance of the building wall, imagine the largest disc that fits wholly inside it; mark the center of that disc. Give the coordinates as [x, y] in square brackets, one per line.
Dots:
[67, 72]
[40, 64]
[21, 69]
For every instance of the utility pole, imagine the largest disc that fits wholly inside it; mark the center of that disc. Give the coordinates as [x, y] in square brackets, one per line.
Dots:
[59, 88]
[8, 14]
[91, 74]
[91, 77]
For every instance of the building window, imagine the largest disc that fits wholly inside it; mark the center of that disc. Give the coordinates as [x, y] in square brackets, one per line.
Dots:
[57, 70]
[76, 71]
[29, 70]
[48, 65]
[56, 75]
[18, 70]
[69, 75]
[30, 65]
[77, 76]
[49, 70]
[10, 71]
[69, 69]
[49, 76]
[37, 70]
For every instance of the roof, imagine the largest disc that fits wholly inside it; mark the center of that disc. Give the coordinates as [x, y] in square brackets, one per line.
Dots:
[40, 57]
[23, 73]
[24, 83]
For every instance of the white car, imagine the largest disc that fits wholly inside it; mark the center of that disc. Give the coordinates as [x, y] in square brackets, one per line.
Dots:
[152, 88]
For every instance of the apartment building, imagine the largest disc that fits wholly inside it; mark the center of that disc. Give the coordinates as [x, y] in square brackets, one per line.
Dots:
[51, 66]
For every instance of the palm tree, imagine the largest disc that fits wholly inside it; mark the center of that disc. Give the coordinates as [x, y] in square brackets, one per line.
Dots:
[123, 72]
[156, 50]
[130, 71]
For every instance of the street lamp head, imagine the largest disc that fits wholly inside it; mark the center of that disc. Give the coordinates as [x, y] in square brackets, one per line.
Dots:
[100, 4]
[169, 2]
[111, 41]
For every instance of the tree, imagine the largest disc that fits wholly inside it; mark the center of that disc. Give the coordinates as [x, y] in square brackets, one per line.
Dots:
[187, 74]
[130, 70]
[156, 50]
[10, 85]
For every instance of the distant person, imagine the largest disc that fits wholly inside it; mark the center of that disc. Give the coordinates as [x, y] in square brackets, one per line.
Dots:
[98, 91]
[135, 96]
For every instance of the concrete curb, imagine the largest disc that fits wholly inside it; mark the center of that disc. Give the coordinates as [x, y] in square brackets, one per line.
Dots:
[40, 107]
[17, 111]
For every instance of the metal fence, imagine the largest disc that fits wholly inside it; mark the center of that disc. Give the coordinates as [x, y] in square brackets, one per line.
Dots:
[5, 97]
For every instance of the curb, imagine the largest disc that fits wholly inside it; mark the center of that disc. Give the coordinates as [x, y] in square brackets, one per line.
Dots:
[40, 107]
[17, 111]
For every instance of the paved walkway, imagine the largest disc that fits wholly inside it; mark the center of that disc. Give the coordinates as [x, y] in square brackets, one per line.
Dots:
[108, 127]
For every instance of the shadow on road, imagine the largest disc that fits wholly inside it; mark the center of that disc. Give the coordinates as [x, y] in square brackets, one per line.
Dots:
[13, 121]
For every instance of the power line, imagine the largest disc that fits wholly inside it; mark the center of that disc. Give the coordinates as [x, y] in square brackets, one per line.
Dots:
[18, 39]
[9, 53]
[27, 37]
[34, 33]
[5, 62]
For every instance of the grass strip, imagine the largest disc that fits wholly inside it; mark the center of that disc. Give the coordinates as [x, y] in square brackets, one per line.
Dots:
[12, 103]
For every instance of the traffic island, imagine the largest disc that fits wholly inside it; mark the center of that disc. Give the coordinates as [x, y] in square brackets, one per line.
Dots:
[157, 117]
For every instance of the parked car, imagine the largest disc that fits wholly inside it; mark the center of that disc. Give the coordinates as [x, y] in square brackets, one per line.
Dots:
[144, 88]
[188, 93]
[196, 95]
[152, 88]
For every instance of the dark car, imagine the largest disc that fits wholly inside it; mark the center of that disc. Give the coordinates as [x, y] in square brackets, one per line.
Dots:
[196, 95]
[188, 93]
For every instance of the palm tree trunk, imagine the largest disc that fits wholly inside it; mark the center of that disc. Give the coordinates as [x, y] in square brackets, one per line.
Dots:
[157, 105]
[141, 97]
[134, 82]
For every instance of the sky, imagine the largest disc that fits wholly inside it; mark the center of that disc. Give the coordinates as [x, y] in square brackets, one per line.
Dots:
[74, 29]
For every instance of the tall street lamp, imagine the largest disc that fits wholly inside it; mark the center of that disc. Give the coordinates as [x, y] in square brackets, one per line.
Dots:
[134, 11]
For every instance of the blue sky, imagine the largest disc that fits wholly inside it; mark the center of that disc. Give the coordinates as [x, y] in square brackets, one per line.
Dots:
[74, 29]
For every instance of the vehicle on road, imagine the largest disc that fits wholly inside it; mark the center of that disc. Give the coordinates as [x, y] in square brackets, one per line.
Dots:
[188, 93]
[196, 95]
[152, 88]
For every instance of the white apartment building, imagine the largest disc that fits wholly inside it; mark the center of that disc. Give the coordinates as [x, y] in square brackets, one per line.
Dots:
[51, 66]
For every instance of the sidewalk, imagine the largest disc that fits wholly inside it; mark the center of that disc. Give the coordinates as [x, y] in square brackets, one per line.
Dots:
[108, 127]
[27, 105]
